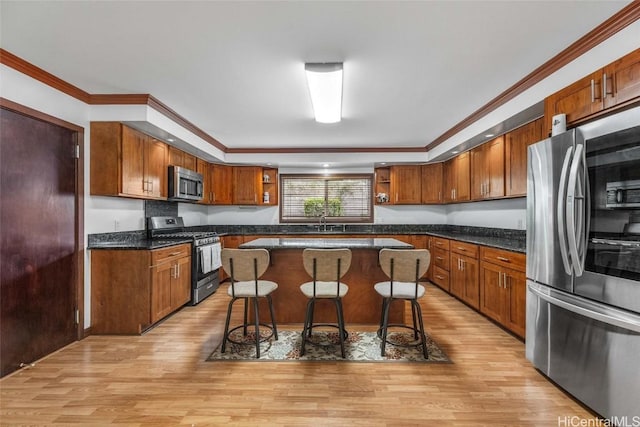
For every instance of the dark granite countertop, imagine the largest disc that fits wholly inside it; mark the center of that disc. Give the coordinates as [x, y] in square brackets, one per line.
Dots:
[510, 244]
[512, 240]
[320, 243]
[142, 244]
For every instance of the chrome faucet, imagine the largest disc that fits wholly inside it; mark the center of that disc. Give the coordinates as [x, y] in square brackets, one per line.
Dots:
[323, 223]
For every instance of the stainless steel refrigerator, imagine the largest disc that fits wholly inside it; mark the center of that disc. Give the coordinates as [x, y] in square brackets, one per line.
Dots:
[583, 263]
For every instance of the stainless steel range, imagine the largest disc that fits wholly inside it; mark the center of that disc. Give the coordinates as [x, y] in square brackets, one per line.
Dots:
[205, 257]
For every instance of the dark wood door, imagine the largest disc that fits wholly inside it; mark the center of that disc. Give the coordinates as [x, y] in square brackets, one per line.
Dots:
[516, 145]
[432, 183]
[38, 240]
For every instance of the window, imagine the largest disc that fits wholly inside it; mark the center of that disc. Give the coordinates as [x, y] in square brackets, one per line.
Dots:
[306, 198]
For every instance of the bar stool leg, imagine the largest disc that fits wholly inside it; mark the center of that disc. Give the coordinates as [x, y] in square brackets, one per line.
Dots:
[273, 320]
[385, 324]
[341, 328]
[306, 329]
[226, 326]
[246, 317]
[423, 336]
[413, 315]
[257, 325]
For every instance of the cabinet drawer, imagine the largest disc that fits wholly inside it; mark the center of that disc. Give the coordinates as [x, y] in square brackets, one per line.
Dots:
[440, 258]
[514, 260]
[441, 278]
[159, 256]
[463, 248]
[439, 243]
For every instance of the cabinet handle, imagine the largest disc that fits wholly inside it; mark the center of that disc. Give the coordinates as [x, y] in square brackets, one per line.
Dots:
[396, 196]
[461, 249]
[440, 258]
[439, 195]
[439, 277]
[499, 279]
[593, 90]
[505, 280]
[177, 270]
[174, 253]
[452, 194]
[503, 259]
[462, 263]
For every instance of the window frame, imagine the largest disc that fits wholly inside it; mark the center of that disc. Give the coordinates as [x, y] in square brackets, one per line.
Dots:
[329, 219]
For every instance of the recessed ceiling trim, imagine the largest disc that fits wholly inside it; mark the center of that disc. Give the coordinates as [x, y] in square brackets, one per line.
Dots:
[327, 150]
[625, 17]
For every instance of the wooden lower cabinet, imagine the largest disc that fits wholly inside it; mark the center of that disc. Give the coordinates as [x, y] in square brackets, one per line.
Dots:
[463, 279]
[133, 289]
[503, 296]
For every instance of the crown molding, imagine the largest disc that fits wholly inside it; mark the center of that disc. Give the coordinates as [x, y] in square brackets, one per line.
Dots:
[625, 17]
[295, 150]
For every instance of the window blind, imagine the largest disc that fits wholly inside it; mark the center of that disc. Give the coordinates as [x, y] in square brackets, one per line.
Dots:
[306, 198]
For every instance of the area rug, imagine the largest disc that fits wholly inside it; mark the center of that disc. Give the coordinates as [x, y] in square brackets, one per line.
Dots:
[359, 347]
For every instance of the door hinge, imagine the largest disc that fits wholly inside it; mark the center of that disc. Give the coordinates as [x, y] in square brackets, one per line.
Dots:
[77, 314]
[77, 152]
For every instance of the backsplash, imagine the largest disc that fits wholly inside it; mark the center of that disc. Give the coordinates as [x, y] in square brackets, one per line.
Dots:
[160, 208]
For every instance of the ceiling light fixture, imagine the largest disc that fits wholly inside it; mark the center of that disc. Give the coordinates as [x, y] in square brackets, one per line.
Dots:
[489, 135]
[325, 86]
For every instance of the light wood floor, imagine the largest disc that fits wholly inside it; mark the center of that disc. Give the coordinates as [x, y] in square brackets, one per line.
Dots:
[161, 378]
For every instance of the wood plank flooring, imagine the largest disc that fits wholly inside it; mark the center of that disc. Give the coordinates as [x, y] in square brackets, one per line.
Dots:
[161, 378]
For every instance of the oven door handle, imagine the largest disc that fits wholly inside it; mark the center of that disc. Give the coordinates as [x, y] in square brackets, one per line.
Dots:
[587, 308]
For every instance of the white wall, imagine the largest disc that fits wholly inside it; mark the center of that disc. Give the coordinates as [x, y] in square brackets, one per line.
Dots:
[508, 213]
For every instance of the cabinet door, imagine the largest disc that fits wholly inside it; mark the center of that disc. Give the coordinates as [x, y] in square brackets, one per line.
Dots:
[156, 172]
[161, 277]
[405, 185]
[491, 291]
[478, 172]
[463, 276]
[577, 101]
[449, 180]
[202, 168]
[246, 182]
[133, 155]
[181, 283]
[495, 168]
[456, 278]
[622, 82]
[516, 145]
[515, 309]
[463, 180]
[189, 161]
[176, 157]
[432, 176]
[222, 184]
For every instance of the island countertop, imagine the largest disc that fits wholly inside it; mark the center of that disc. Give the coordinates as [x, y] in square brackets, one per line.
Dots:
[320, 243]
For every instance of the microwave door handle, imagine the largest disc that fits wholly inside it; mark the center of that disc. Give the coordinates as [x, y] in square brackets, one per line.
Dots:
[575, 209]
[562, 202]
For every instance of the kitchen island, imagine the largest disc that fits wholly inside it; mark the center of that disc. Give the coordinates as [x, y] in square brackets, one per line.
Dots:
[361, 304]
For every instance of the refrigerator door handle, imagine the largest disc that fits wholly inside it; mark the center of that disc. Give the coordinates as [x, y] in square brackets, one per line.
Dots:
[588, 309]
[562, 201]
[575, 212]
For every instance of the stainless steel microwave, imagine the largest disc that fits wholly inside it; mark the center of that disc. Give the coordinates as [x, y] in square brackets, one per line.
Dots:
[185, 184]
[623, 194]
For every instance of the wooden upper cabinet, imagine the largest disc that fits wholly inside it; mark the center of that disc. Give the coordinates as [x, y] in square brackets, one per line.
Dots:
[615, 85]
[406, 185]
[487, 170]
[621, 80]
[247, 183]
[456, 178]
[432, 176]
[221, 184]
[126, 162]
[202, 167]
[180, 158]
[516, 145]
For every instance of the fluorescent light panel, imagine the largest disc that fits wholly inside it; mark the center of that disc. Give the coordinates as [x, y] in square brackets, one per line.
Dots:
[325, 87]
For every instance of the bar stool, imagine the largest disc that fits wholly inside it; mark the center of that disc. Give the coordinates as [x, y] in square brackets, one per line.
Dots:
[404, 267]
[326, 267]
[245, 267]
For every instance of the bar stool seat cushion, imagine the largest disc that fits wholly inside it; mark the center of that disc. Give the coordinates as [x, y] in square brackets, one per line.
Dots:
[402, 290]
[324, 289]
[247, 289]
